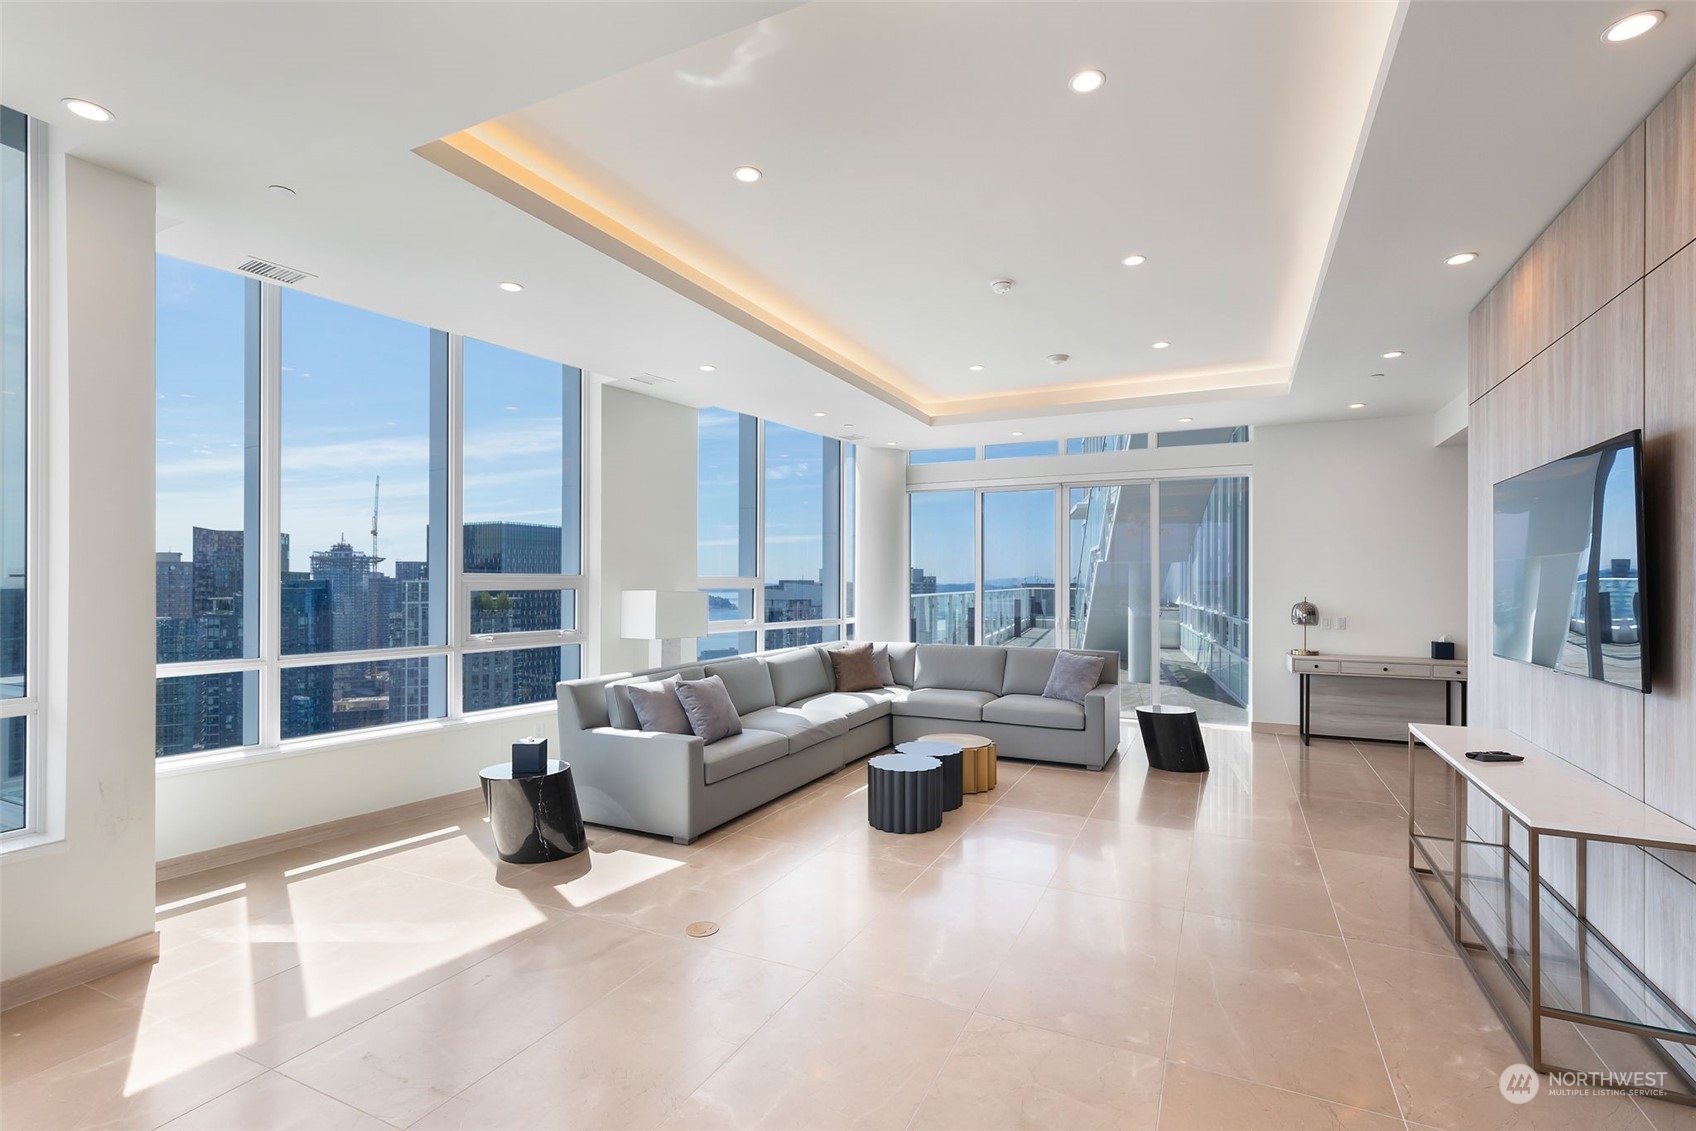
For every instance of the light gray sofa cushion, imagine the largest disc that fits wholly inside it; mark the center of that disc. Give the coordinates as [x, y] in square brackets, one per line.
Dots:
[944, 703]
[798, 674]
[657, 707]
[960, 667]
[801, 729]
[748, 681]
[619, 710]
[730, 756]
[712, 714]
[857, 706]
[1035, 711]
[1028, 670]
[1075, 675]
[901, 658]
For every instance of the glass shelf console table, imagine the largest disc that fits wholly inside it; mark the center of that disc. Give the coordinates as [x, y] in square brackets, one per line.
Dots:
[1502, 853]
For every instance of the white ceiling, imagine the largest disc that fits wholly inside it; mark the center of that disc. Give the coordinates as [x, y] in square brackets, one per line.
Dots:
[913, 153]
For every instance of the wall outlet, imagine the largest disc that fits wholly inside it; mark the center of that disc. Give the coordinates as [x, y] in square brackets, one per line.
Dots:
[1342, 623]
[1324, 622]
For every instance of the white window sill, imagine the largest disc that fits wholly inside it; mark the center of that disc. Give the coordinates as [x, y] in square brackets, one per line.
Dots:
[31, 845]
[176, 764]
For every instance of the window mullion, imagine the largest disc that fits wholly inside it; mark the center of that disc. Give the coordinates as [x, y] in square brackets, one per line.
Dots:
[270, 583]
[454, 522]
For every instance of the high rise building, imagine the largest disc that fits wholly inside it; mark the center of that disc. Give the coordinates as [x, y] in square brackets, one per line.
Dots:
[219, 556]
[348, 573]
[511, 547]
[173, 585]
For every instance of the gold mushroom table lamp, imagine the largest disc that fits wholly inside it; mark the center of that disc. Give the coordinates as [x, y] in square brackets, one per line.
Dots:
[1304, 614]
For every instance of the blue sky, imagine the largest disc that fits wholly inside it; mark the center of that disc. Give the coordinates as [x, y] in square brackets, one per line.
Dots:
[795, 492]
[356, 405]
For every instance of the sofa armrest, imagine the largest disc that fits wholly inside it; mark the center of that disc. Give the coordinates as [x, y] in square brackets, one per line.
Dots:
[632, 779]
[1101, 711]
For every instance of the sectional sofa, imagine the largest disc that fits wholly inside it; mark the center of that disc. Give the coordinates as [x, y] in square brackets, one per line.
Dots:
[798, 727]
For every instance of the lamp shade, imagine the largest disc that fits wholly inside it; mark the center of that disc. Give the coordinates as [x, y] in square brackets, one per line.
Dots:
[1304, 612]
[658, 614]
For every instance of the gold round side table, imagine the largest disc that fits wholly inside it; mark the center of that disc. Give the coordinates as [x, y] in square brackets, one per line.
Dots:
[977, 760]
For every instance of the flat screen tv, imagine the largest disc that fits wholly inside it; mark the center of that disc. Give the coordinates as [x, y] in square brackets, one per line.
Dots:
[1569, 552]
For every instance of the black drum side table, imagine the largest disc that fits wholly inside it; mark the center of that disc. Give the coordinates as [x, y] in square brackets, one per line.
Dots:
[953, 768]
[1172, 738]
[535, 817]
[904, 793]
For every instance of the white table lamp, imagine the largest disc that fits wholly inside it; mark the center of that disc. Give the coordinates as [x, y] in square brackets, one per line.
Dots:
[666, 619]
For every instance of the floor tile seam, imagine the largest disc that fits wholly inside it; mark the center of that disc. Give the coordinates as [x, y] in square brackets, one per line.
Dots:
[1289, 1091]
[349, 1103]
[1171, 1023]
[1359, 989]
[1381, 778]
[444, 1101]
[937, 1075]
[239, 1084]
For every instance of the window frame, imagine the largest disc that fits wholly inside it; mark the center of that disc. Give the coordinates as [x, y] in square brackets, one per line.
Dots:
[44, 783]
[844, 574]
[450, 590]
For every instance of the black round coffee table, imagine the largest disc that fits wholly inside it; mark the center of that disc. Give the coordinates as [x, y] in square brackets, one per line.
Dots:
[535, 817]
[904, 793]
[1171, 736]
[952, 761]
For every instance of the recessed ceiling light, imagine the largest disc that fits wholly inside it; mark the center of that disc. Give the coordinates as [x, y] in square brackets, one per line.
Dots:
[1186, 420]
[889, 443]
[1087, 82]
[1393, 354]
[818, 414]
[747, 174]
[512, 287]
[283, 191]
[1461, 257]
[83, 108]
[1162, 345]
[708, 368]
[1357, 404]
[1134, 260]
[1018, 433]
[1633, 26]
[975, 368]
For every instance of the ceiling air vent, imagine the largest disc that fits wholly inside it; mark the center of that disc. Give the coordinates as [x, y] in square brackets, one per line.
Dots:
[852, 437]
[652, 379]
[275, 272]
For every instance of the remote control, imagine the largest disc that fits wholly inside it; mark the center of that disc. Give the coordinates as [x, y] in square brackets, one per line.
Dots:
[1494, 756]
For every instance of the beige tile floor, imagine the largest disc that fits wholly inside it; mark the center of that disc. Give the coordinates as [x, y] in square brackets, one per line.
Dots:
[1126, 949]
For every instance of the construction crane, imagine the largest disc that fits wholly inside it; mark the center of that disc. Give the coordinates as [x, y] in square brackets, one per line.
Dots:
[376, 504]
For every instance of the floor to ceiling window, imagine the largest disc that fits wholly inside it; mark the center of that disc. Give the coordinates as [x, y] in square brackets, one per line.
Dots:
[1018, 568]
[775, 514]
[943, 588]
[18, 693]
[1155, 571]
[346, 605]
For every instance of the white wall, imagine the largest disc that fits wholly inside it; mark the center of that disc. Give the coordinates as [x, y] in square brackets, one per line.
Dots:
[251, 797]
[881, 572]
[94, 887]
[1366, 519]
[645, 534]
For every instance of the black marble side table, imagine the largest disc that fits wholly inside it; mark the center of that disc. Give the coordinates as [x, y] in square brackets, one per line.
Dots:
[904, 793]
[950, 755]
[534, 817]
[1171, 736]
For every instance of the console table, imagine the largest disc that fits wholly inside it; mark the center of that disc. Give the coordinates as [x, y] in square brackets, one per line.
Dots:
[1476, 833]
[1375, 697]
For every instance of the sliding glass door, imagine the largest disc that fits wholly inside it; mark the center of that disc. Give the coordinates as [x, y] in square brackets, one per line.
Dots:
[1156, 571]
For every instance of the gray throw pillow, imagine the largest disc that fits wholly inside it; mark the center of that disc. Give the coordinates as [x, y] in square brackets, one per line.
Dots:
[1074, 676]
[657, 707]
[707, 703]
[880, 664]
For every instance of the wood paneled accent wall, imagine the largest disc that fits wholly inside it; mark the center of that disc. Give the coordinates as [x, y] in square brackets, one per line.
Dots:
[1591, 334]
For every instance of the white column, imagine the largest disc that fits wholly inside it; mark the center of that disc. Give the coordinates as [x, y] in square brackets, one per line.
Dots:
[95, 887]
[881, 567]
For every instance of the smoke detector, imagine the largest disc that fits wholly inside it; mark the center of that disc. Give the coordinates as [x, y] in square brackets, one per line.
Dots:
[1001, 286]
[1059, 358]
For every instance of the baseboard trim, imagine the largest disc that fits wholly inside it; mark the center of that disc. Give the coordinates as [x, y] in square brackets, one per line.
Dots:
[1275, 728]
[243, 851]
[37, 984]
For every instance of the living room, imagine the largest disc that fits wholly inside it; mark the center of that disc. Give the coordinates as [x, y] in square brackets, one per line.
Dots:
[834, 565]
